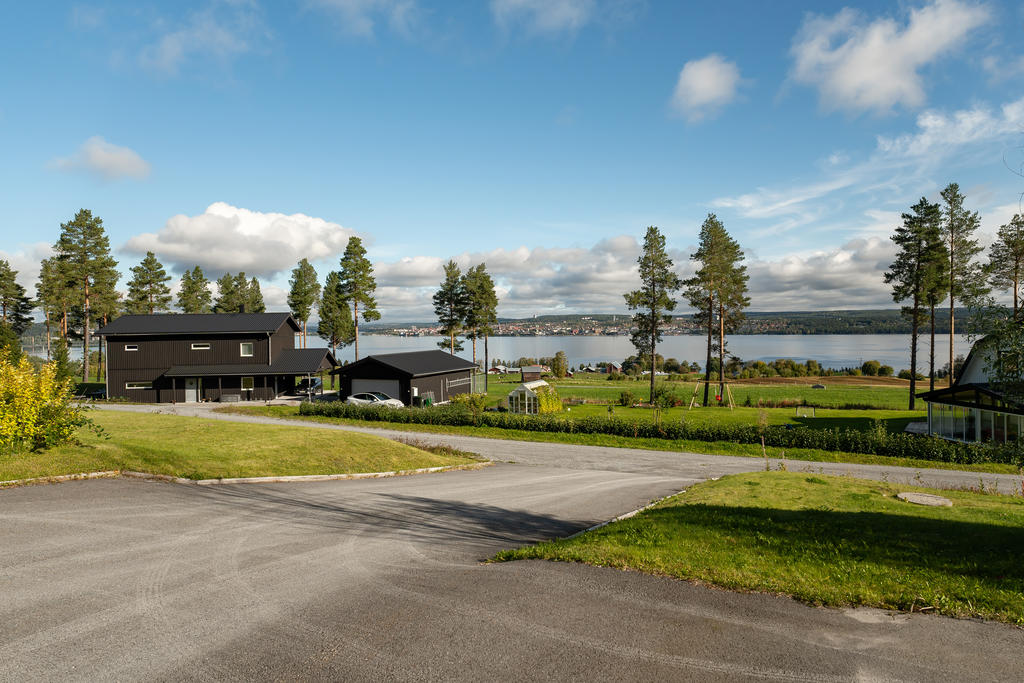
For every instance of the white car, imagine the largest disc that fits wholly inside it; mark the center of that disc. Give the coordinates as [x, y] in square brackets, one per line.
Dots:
[374, 398]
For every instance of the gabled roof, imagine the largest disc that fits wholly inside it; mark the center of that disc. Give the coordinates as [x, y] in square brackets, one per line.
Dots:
[287, 362]
[198, 323]
[414, 363]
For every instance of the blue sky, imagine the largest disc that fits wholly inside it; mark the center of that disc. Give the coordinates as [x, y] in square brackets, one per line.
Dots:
[540, 136]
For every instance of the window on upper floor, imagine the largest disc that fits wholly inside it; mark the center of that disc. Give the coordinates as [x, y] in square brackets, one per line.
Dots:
[245, 349]
[131, 347]
[200, 346]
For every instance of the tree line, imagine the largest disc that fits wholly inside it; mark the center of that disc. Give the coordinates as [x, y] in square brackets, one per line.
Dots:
[717, 291]
[938, 262]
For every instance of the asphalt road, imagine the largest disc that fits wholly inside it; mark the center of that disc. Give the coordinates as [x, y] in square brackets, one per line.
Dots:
[382, 580]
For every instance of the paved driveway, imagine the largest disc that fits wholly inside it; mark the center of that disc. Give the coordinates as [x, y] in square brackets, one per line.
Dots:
[382, 580]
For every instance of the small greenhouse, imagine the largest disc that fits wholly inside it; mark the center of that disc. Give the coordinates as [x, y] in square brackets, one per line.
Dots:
[532, 398]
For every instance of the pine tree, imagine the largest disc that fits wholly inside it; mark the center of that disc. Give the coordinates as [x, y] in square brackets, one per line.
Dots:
[451, 303]
[732, 298]
[304, 293]
[483, 309]
[336, 326]
[194, 295]
[966, 281]
[716, 253]
[1006, 260]
[936, 276]
[909, 273]
[357, 285]
[147, 290]
[54, 298]
[654, 300]
[84, 250]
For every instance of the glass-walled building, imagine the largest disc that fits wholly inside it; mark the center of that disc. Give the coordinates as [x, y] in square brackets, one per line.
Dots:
[971, 410]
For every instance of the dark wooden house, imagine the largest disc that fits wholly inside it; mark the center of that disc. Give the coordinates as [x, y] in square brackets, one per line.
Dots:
[531, 373]
[433, 375]
[178, 358]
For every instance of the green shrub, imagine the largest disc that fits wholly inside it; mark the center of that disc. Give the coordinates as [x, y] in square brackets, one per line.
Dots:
[628, 398]
[874, 442]
[36, 409]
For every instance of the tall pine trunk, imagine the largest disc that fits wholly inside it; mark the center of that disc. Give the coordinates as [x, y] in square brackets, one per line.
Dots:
[952, 297]
[707, 364]
[931, 352]
[915, 323]
[721, 350]
[487, 369]
[85, 335]
[654, 356]
[46, 312]
[355, 319]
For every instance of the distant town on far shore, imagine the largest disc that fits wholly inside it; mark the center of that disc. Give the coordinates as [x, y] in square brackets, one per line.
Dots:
[876, 321]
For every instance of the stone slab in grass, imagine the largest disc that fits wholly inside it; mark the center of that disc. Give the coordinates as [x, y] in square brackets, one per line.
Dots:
[925, 499]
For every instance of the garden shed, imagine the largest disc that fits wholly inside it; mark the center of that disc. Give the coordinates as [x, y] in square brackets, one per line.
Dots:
[531, 398]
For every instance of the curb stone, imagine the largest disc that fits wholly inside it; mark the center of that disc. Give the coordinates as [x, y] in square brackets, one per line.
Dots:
[147, 476]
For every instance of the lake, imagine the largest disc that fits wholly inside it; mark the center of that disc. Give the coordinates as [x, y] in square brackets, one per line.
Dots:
[831, 350]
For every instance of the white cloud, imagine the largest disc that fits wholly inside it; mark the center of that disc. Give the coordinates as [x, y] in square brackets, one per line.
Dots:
[109, 161]
[850, 276]
[704, 86]
[938, 130]
[227, 238]
[221, 31]
[901, 167]
[543, 16]
[874, 65]
[359, 17]
[1003, 69]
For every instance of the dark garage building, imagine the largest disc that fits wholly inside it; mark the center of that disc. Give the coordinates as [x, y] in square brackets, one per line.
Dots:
[433, 375]
[182, 358]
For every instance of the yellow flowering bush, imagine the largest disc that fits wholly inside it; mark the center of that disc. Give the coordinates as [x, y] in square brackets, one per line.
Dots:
[36, 410]
[548, 400]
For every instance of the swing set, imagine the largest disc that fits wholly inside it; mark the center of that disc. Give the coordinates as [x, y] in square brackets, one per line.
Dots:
[718, 397]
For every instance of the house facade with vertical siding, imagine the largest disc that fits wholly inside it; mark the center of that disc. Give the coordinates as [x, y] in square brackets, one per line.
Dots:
[183, 358]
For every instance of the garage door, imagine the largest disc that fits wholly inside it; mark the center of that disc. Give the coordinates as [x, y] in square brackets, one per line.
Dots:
[391, 387]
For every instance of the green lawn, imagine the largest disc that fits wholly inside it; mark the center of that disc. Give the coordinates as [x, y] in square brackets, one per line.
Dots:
[709, 447]
[205, 449]
[825, 541]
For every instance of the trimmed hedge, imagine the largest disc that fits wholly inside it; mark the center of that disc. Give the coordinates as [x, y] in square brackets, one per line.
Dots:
[876, 441]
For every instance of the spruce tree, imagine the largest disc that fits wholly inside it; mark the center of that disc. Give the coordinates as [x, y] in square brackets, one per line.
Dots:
[8, 289]
[966, 280]
[655, 299]
[147, 290]
[336, 326]
[84, 251]
[909, 274]
[304, 293]
[229, 299]
[253, 296]
[731, 297]
[357, 285]
[451, 304]
[194, 295]
[1006, 260]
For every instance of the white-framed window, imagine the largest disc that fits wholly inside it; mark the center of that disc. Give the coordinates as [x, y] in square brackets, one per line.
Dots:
[138, 385]
[248, 384]
[245, 349]
[200, 346]
[131, 347]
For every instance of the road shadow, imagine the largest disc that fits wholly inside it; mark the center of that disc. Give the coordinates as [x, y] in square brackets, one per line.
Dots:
[376, 513]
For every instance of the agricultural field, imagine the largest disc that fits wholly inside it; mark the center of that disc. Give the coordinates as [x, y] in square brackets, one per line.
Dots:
[862, 393]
